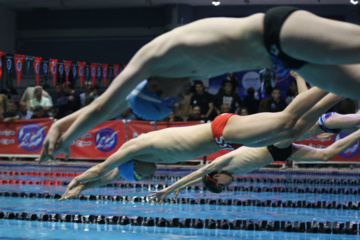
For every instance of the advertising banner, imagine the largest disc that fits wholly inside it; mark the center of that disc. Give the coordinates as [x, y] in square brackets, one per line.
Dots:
[23, 137]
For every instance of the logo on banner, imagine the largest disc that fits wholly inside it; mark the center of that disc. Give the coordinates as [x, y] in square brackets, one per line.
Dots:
[98, 72]
[251, 79]
[9, 64]
[74, 71]
[351, 151]
[67, 70]
[53, 68]
[106, 139]
[61, 70]
[18, 66]
[45, 68]
[7, 133]
[37, 62]
[80, 143]
[87, 70]
[7, 141]
[37, 68]
[31, 136]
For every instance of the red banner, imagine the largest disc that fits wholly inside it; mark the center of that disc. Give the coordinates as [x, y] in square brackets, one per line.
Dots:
[100, 142]
[67, 67]
[93, 67]
[116, 68]
[19, 63]
[23, 137]
[1, 54]
[136, 128]
[105, 72]
[81, 66]
[37, 64]
[53, 69]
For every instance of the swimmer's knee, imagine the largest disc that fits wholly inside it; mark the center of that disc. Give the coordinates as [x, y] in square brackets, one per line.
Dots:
[289, 122]
[291, 133]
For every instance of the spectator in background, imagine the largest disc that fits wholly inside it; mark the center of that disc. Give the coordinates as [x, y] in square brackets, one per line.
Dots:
[3, 99]
[29, 94]
[291, 92]
[173, 118]
[39, 99]
[183, 109]
[24, 112]
[11, 112]
[39, 112]
[224, 108]
[204, 100]
[265, 99]
[10, 91]
[230, 77]
[243, 112]
[68, 103]
[267, 78]
[227, 96]
[127, 114]
[94, 93]
[86, 93]
[276, 104]
[196, 114]
[58, 92]
[46, 88]
[250, 102]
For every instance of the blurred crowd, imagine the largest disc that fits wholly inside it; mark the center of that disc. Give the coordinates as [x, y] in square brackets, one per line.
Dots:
[198, 105]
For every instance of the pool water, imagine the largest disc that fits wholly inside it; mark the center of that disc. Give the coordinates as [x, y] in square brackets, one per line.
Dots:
[24, 229]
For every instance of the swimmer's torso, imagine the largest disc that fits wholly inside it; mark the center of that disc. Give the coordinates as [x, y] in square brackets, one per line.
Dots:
[209, 47]
[177, 144]
[247, 159]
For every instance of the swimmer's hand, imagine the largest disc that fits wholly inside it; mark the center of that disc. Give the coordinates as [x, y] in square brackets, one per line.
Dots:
[176, 193]
[72, 193]
[53, 145]
[74, 188]
[294, 74]
[159, 195]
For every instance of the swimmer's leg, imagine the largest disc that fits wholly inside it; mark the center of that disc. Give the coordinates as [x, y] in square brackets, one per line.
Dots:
[343, 80]
[259, 127]
[318, 40]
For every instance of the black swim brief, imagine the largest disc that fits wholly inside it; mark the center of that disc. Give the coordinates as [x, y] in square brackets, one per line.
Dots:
[273, 21]
[280, 154]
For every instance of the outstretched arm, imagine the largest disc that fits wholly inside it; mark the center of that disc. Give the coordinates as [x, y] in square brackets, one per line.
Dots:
[177, 191]
[55, 133]
[191, 178]
[125, 153]
[109, 104]
[108, 178]
[300, 82]
[306, 153]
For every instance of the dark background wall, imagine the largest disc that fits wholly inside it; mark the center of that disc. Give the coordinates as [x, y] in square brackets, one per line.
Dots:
[114, 35]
